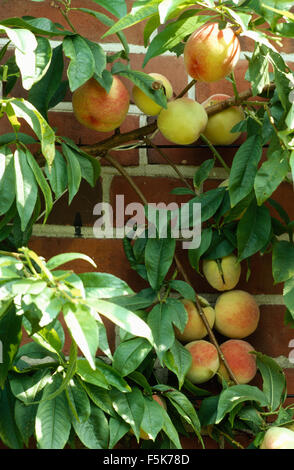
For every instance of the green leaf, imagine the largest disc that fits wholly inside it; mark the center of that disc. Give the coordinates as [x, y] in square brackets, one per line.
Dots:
[99, 56]
[195, 254]
[178, 360]
[135, 16]
[25, 187]
[94, 432]
[64, 258]
[253, 230]
[117, 429]
[186, 291]
[274, 381]
[270, 175]
[113, 377]
[160, 322]
[57, 175]
[74, 173]
[40, 26]
[130, 354]
[171, 431]
[28, 388]
[9, 433]
[122, 317]
[42, 92]
[185, 409]
[52, 420]
[83, 329]
[10, 338]
[82, 63]
[41, 180]
[244, 169]
[283, 261]
[7, 179]
[210, 202]
[78, 400]
[159, 255]
[34, 64]
[100, 397]
[25, 417]
[153, 419]
[203, 172]
[24, 109]
[87, 374]
[104, 285]
[232, 396]
[116, 7]
[130, 407]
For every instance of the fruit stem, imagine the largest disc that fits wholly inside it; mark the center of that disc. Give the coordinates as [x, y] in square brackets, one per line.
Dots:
[186, 89]
[215, 153]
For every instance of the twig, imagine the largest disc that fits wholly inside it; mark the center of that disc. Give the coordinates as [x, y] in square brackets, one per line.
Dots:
[215, 153]
[171, 163]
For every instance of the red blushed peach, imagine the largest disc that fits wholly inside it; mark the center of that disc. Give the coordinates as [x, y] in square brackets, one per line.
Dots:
[195, 328]
[211, 54]
[96, 109]
[223, 274]
[205, 361]
[236, 314]
[242, 362]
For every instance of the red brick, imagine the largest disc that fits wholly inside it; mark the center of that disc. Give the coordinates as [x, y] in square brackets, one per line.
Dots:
[83, 203]
[272, 337]
[85, 24]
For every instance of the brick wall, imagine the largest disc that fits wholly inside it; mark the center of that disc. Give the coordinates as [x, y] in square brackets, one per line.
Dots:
[155, 179]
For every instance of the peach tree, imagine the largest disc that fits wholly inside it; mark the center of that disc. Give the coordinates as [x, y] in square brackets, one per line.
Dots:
[144, 390]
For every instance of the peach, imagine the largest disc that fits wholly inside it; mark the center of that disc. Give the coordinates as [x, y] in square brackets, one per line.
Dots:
[219, 125]
[236, 314]
[96, 109]
[240, 359]
[223, 274]
[278, 438]
[211, 54]
[183, 121]
[146, 104]
[195, 328]
[205, 361]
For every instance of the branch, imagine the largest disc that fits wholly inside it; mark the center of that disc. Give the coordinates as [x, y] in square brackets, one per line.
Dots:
[140, 133]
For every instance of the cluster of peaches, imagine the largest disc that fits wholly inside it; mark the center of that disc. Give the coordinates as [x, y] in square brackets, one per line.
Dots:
[235, 316]
[210, 54]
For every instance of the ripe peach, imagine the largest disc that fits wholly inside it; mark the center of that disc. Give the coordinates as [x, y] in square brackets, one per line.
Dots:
[236, 314]
[219, 125]
[278, 438]
[240, 359]
[146, 104]
[183, 121]
[223, 274]
[96, 109]
[195, 328]
[211, 54]
[205, 361]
